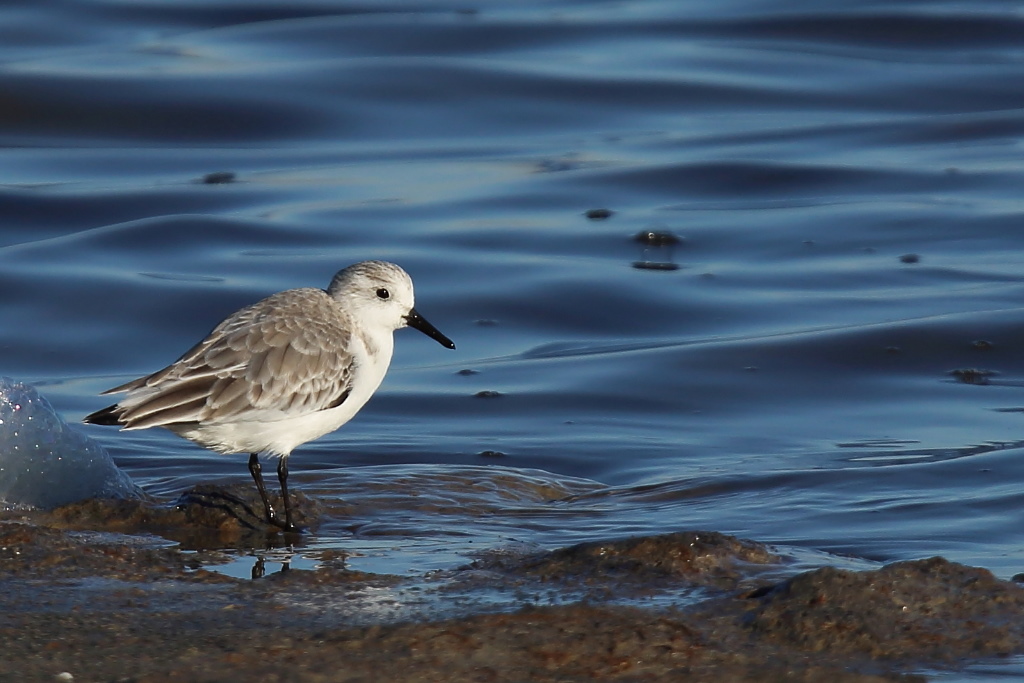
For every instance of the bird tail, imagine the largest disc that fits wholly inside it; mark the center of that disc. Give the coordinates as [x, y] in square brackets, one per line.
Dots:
[108, 416]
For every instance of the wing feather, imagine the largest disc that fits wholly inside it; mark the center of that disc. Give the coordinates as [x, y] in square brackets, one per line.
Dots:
[282, 356]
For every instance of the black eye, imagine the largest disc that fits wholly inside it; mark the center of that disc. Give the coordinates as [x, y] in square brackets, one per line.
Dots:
[383, 293]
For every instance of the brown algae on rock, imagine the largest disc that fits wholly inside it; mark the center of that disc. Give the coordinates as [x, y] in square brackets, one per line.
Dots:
[110, 605]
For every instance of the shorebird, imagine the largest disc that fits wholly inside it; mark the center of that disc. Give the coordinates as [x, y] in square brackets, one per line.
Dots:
[281, 372]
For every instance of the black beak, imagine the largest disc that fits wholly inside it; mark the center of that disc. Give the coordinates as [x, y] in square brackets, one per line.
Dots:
[418, 322]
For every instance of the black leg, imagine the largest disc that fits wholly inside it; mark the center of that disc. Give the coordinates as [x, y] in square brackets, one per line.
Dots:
[282, 476]
[256, 471]
[259, 569]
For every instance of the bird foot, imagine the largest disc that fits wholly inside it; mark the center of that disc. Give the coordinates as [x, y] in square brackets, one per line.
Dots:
[285, 525]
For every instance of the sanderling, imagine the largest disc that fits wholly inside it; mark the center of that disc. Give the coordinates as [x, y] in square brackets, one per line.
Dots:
[279, 373]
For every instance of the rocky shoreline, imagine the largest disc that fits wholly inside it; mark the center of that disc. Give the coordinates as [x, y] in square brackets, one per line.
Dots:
[91, 592]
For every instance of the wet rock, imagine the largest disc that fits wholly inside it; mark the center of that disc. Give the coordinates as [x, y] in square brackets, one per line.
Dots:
[240, 508]
[578, 643]
[925, 610]
[205, 516]
[28, 551]
[695, 557]
[113, 607]
[120, 516]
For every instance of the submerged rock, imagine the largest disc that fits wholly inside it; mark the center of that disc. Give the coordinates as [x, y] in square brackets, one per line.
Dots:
[44, 462]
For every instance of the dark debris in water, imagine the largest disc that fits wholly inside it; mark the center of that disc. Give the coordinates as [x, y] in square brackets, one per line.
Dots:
[487, 394]
[910, 258]
[599, 214]
[218, 178]
[973, 376]
[655, 265]
[656, 238]
[658, 247]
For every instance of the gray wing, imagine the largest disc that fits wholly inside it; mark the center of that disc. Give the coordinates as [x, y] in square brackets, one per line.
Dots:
[286, 355]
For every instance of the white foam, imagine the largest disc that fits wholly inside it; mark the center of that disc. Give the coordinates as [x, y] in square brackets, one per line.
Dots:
[44, 462]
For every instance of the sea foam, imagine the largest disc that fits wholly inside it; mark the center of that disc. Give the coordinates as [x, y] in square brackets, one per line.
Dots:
[44, 462]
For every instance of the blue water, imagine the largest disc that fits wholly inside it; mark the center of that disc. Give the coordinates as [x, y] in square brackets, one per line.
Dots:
[846, 178]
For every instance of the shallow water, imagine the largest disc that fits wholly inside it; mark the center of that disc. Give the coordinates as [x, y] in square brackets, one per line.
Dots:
[846, 181]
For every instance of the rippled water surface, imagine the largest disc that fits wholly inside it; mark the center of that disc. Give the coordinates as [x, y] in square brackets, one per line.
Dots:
[845, 180]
